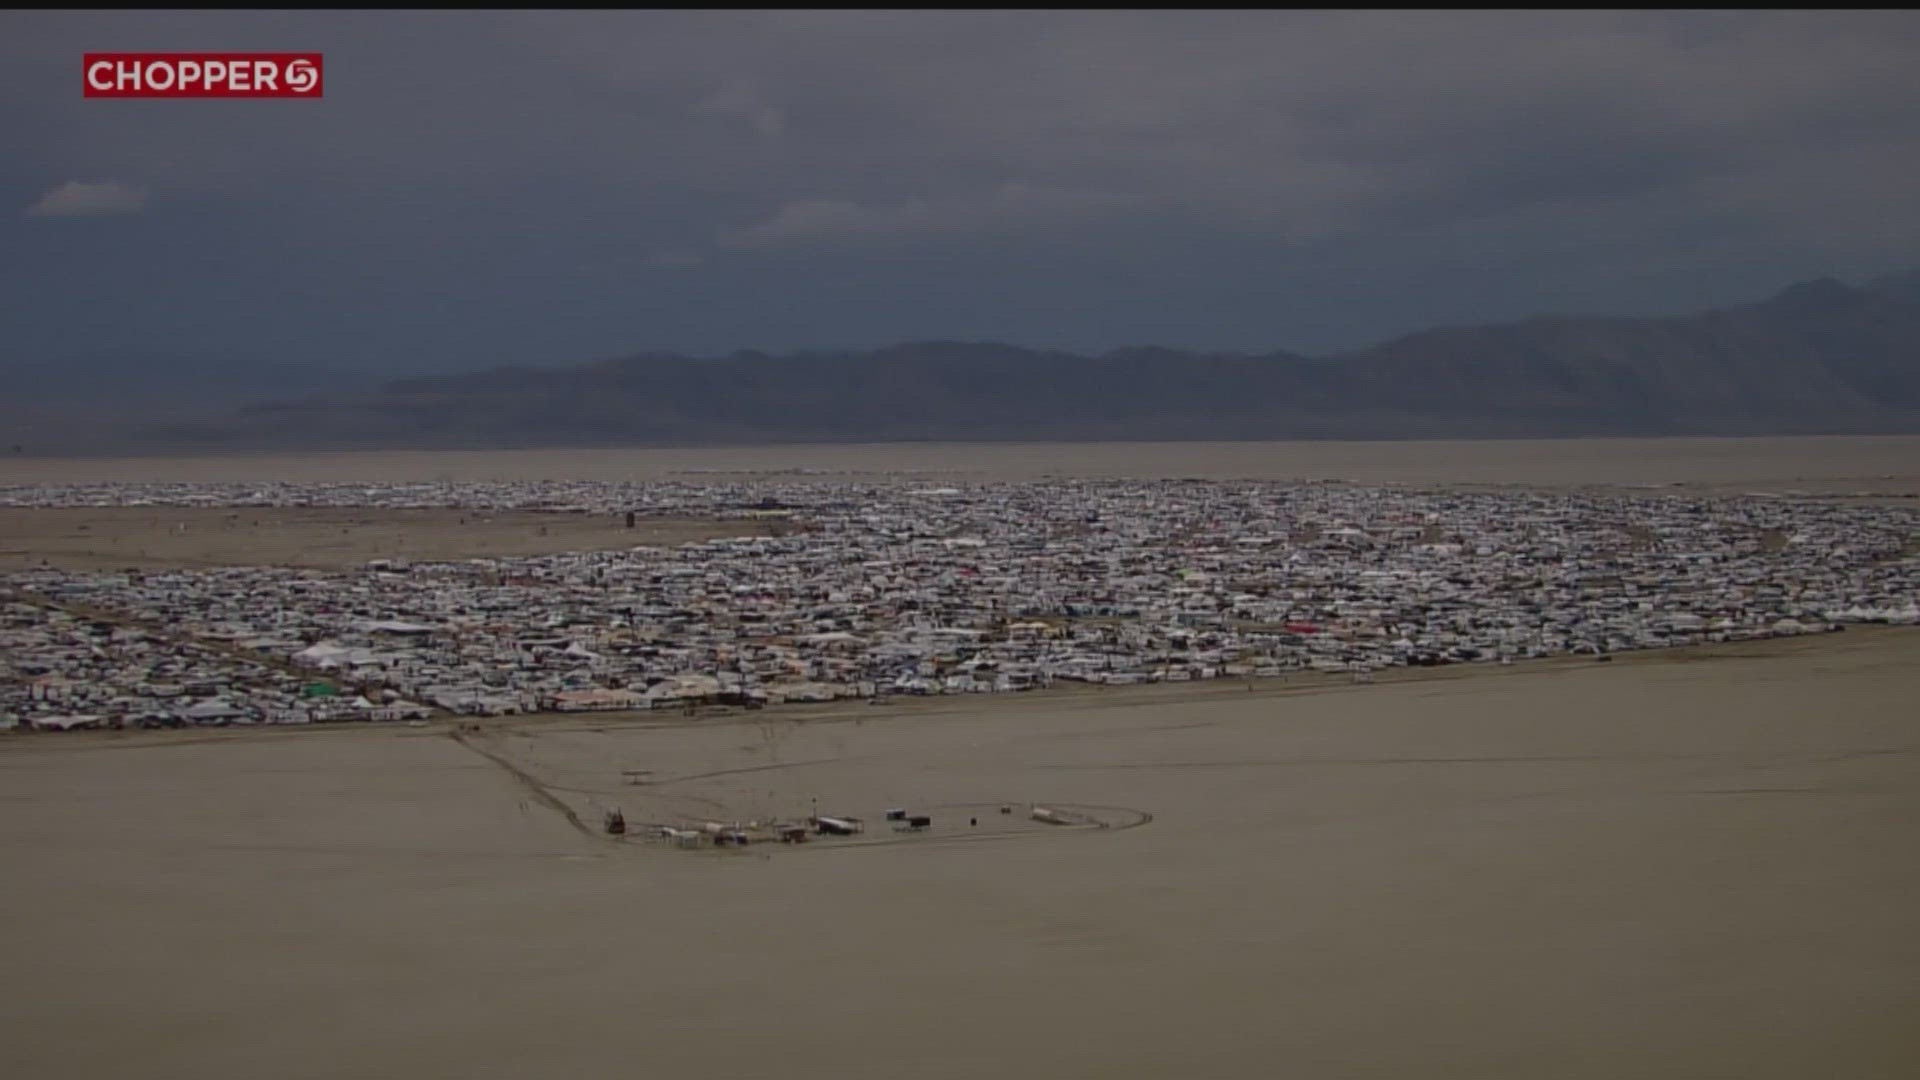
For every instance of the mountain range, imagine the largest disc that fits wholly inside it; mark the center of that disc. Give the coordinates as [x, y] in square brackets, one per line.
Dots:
[1819, 357]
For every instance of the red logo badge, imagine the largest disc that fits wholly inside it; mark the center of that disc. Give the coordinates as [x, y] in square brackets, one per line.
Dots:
[200, 75]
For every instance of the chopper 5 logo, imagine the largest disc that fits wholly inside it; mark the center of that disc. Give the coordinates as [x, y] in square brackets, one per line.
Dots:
[200, 75]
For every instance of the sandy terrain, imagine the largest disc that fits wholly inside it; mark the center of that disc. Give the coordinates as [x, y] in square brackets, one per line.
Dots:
[1886, 464]
[154, 537]
[1685, 866]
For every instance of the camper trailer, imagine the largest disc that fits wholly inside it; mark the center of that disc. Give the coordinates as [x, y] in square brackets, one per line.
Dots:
[838, 826]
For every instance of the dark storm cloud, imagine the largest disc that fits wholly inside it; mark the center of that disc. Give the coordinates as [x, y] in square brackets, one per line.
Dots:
[486, 187]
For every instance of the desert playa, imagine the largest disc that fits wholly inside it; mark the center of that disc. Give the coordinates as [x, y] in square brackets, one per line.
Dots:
[160, 537]
[1682, 864]
[1878, 464]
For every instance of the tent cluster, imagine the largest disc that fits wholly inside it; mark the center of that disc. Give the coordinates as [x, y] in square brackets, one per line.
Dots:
[898, 587]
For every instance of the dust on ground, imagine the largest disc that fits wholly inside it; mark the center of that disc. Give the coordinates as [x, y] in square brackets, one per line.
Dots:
[1650, 868]
[1886, 466]
[148, 538]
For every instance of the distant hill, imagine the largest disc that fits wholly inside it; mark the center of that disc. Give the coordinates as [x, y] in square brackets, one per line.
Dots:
[145, 376]
[1897, 286]
[134, 399]
[1820, 357]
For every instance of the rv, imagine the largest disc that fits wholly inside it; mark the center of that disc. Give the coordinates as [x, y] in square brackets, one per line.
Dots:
[837, 826]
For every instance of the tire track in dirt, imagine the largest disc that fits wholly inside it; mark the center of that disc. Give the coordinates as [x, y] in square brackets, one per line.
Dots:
[531, 783]
[735, 772]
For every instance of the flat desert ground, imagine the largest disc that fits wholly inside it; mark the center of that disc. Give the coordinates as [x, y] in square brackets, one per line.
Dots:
[1687, 864]
[154, 537]
[1886, 465]
[1680, 865]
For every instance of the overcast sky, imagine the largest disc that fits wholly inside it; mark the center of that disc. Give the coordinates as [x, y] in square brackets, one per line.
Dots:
[498, 187]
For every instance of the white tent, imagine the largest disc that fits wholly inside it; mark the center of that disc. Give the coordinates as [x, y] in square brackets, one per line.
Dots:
[395, 626]
[322, 655]
[67, 723]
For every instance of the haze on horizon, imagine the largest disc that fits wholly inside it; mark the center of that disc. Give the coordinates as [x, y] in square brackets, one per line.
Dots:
[484, 188]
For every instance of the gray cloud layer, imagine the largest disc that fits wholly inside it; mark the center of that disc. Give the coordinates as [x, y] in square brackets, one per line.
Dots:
[79, 198]
[491, 187]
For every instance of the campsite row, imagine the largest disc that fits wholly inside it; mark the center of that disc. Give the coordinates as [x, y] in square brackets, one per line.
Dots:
[903, 588]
